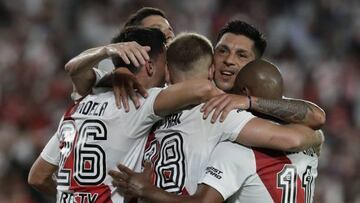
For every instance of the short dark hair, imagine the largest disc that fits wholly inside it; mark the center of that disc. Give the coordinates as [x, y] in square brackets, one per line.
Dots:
[186, 49]
[151, 37]
[136, 18]
[239, 27]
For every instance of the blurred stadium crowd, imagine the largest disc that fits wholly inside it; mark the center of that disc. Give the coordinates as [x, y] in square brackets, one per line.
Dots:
[315, 43]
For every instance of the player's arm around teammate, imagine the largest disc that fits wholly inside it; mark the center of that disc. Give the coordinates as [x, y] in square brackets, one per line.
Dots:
[139, 185]
[41, 176]
[288, 110]
[184, 94]
[130, 52]
[291, 137]
[80, 68]
[262, 133]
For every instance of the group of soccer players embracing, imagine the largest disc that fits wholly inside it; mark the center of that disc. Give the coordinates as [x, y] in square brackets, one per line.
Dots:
[221, 129]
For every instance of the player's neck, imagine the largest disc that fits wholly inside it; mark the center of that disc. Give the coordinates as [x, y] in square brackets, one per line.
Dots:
[188, 76]
[145, 81]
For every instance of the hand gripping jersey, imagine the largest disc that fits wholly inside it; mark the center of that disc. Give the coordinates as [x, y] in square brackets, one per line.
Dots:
[183, 144]
[252, 175]
[93, 137]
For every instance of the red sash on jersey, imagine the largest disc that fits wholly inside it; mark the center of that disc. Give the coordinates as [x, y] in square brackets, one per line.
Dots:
[268, 164]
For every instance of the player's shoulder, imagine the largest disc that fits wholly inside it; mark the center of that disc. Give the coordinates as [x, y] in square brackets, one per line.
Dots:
[234, 155]
[231, 150]
[237, 117]
[152, 94]
[235, 121]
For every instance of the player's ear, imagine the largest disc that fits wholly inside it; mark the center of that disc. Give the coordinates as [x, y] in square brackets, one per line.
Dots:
[149, 66]
[211, 72]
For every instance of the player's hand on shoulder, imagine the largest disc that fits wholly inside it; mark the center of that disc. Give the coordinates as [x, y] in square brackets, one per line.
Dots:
[223, 104]
[126, 85]
[129, 52]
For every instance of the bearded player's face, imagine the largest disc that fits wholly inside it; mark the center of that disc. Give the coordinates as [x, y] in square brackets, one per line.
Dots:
[232, 53]
[156, 21]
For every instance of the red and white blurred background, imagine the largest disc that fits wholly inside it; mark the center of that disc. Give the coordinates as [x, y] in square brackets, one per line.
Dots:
[315, 43]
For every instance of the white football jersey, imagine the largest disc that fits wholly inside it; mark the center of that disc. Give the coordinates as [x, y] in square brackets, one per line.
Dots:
[251, 175]
[183, 144]
[92, 138]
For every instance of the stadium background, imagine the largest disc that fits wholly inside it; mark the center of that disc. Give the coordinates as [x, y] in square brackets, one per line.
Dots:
[315, 43]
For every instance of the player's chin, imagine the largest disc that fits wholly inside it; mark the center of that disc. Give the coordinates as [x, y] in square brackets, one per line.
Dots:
[224, 85]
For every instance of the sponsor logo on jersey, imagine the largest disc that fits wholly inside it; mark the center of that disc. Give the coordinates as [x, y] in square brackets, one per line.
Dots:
[78, 197]
[214, 172]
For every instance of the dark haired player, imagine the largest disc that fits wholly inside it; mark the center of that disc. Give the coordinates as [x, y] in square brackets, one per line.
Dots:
[151, 17]
[262, 175]
[238, 43]
[131, 52]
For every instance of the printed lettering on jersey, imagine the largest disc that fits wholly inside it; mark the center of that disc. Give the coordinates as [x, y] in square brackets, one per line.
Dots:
[169, 121]
[97, 194]
[77, 197]
[92, 108]
[214, 172]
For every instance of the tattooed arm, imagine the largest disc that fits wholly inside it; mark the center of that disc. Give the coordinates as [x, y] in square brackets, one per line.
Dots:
[287, 110]
[290, 110]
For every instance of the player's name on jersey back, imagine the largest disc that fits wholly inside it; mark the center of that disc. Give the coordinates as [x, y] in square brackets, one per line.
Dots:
[92, 108]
